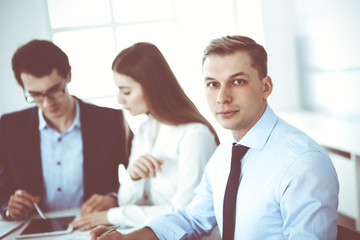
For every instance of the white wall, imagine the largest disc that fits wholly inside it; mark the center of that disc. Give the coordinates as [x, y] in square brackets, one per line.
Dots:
[279, 33]
[20, 22]
[313, 55]
[23, 20]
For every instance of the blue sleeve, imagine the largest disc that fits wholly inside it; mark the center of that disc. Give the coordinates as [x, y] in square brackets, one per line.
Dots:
[308, 202]
[195, 220]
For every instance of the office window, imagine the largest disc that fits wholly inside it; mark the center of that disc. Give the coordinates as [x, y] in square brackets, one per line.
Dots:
[75, 13]
[126, 11]
[91, 62]
[93, 32]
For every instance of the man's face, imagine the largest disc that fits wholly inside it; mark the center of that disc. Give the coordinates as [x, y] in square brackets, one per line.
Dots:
[235, 93]
[57, 100]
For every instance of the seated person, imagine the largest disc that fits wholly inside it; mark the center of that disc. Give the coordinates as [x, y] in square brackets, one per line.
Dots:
[61, 152]
[171, 149]
[271, 181]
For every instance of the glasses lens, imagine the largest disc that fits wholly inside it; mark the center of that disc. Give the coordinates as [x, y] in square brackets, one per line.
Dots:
[39, 97]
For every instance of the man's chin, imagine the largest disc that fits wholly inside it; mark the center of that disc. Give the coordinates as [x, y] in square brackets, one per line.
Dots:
[226, 125]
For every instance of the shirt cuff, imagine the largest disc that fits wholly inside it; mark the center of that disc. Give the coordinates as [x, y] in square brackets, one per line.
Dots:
[4, 212]
[167, 227]
[113, 194]
[114, 215]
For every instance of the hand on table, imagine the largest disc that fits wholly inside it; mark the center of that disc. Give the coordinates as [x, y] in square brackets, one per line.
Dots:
[115, 235]
[21, 204]
[145, 166]
[98, 202]
[89, 221]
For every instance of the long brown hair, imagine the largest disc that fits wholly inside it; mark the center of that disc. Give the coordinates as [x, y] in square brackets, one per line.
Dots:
[166, 99]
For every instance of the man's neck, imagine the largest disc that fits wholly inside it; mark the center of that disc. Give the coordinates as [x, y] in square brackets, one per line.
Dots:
[63, 123]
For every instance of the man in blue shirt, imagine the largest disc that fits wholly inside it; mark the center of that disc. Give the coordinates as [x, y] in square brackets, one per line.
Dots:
[288, 187]
[62, 153]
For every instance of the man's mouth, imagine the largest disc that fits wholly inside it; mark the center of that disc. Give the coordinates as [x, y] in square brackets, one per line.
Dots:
[226, 114]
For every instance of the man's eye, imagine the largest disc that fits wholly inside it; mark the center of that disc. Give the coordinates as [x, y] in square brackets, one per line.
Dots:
[212, 84]
[126, 92]
[35, 94]
[52, 91]
[239, 81]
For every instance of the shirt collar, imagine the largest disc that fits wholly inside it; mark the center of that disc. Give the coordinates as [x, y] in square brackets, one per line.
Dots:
[76, 124]
[258, 135]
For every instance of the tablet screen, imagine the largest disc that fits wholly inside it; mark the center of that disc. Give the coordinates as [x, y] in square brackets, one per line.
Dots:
[48, 225]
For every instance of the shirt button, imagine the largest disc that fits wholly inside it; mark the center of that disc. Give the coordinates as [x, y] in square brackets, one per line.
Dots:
[59, 139]
[59, 189]
[58, 163]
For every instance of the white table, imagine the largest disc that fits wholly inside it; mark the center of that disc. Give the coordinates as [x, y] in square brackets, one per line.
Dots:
[77, 235]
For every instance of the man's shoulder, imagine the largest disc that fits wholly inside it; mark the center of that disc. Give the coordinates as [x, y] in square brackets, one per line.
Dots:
[20, 115]
[92, 115]
[287, 136]
[100, 111]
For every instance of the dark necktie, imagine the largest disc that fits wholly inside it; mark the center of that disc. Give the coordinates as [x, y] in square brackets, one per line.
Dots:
[229, 208]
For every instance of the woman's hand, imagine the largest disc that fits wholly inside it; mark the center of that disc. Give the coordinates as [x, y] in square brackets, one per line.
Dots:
[90, 221]
[145, 166]
[98, 202]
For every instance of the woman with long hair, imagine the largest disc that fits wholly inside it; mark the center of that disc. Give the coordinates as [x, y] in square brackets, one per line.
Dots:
[169, 152]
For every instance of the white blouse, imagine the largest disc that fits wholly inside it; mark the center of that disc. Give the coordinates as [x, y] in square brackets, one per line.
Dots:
[185, 150]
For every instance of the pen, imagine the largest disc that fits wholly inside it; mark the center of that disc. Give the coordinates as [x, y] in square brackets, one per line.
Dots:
[39, 210]
[110, 230]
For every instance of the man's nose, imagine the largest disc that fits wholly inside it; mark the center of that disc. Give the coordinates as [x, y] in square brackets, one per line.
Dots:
[46, 101]
[224, 95]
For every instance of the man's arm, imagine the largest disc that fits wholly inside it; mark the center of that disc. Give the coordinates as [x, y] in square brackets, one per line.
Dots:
[5, 178]
[195, 220]
[142, 234]
[20, 163]
[309, 198]
[101, 158]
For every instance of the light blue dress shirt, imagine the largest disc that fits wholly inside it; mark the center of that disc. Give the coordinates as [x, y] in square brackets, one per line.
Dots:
[62, 165]
[288, 189]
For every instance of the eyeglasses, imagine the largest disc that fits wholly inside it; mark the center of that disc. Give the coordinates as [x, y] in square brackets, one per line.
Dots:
[54, 92]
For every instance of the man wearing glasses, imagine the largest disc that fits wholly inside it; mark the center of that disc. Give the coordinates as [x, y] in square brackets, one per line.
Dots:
[62, 153]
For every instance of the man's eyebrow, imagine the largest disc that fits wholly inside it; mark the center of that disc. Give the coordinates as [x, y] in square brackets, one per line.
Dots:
[208, 79]
[239, 74]
[50, 89]
[235, 75]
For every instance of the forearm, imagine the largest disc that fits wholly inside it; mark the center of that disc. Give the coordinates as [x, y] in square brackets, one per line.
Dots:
[143, 234]
[134, 215]
[99, 233]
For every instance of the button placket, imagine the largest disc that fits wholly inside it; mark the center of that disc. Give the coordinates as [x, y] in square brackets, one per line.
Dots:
[58, 162]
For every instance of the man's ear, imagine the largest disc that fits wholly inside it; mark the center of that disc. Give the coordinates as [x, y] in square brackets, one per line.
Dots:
[69, 77]
[268, 86]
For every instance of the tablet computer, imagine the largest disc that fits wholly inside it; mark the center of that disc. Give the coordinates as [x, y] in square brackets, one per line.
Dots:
[47, 227]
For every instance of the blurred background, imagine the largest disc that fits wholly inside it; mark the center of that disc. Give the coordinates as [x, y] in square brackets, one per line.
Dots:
[313, 47]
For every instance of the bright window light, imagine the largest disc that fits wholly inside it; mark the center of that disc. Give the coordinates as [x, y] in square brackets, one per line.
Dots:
[93, 32]
[126, 11]
[91, 53]
[72, 13]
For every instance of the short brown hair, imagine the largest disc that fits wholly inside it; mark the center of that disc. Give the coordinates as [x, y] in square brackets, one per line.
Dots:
[229, 44]
[39, 58]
